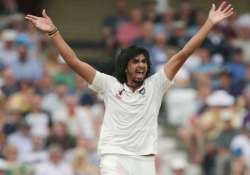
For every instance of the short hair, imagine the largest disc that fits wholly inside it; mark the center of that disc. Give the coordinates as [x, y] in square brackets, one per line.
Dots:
[123, 58]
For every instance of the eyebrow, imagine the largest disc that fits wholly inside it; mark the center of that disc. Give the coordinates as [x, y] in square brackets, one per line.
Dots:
[138, 60]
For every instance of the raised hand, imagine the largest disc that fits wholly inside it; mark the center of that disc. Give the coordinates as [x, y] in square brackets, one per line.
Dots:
[44, 23]
[224, 11]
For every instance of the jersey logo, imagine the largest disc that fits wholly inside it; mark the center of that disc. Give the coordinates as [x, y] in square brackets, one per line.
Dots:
[119, 94]
[142, 91]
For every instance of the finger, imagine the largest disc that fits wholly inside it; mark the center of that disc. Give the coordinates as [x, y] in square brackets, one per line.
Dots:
[32, 16]
[33, 21]
[29, 18]
[45, 14]
[213, 7]
[221, 6]
[227, 8]
[229, 13]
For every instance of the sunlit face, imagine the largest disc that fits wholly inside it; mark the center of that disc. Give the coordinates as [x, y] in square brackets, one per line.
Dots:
[137, 69]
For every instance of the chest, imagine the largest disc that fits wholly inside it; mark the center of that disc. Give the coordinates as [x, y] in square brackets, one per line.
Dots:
[121, 101]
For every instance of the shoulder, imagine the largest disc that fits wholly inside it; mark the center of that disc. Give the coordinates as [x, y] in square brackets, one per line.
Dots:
[159, 76]
[102, 82]
[108, 78]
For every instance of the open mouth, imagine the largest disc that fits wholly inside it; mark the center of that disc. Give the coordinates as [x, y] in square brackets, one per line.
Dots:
[140, 74]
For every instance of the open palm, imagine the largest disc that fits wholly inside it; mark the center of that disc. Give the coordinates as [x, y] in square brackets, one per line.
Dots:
[44, 23]
[224, 11]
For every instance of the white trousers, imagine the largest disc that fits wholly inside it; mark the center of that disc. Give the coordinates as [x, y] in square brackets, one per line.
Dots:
[116, 164]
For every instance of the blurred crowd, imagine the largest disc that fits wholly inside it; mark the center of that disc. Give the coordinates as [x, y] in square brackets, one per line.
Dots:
[50, 120]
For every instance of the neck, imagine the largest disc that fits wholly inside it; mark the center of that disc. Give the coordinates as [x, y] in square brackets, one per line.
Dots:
[133, 85]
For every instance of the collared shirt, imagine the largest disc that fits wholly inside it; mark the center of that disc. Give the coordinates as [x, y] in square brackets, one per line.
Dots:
[130, 120]
[31, 69]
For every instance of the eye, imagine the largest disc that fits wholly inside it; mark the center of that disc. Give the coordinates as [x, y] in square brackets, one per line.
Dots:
[135, 61]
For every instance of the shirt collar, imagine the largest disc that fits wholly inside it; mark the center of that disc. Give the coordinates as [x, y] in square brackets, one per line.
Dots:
[127, 89]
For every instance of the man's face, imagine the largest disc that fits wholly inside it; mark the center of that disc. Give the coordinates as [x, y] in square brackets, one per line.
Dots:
[137, 69]
[22, 50]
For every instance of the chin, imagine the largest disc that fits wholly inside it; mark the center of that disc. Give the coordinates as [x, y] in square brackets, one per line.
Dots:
[139, 82]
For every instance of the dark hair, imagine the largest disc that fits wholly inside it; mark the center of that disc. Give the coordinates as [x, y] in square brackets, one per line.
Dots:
[122, 59]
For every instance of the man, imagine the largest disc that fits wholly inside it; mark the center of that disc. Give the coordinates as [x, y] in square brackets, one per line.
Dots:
[55, 165]
[129, 132]
[25, 67]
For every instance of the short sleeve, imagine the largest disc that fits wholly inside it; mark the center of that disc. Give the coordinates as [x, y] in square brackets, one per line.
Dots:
[161, 81]
[99, 83]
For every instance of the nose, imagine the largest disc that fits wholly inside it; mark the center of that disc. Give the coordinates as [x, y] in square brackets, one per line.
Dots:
[142, 64]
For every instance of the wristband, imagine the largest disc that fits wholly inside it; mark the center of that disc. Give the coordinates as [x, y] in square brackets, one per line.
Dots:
[53, 32]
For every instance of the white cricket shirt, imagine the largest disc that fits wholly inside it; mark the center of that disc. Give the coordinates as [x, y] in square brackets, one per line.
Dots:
[130, 120]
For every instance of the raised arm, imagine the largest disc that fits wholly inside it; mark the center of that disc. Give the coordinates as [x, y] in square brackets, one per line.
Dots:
[174, 64]
[46, 25]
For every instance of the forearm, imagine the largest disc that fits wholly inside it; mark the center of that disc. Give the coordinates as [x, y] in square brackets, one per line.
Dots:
[197, 39]
[64, 49]
[86, 71]
[215, 15]
[175, 63]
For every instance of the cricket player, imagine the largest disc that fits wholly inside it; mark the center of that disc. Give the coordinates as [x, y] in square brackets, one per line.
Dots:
[132, 98]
